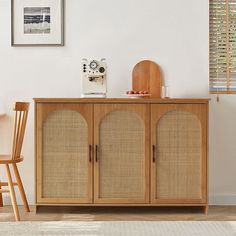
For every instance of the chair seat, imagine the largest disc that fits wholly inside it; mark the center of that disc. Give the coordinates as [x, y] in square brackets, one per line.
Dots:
[6, 159]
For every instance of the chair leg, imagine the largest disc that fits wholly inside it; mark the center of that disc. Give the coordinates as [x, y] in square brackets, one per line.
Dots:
[1, 200]
[21, 188]
[12, 193]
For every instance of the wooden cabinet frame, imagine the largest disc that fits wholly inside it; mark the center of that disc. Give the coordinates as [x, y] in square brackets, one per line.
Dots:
[142, 111]
[93, 111]
[200, 111]
[42, 112]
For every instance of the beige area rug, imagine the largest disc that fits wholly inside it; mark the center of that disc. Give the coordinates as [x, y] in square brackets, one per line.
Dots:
[120, 228]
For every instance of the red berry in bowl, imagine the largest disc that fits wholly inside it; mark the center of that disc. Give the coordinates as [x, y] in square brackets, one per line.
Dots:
[131, 92]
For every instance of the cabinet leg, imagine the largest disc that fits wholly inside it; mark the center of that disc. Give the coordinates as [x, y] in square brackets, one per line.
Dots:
[206, 209]
[36, 209]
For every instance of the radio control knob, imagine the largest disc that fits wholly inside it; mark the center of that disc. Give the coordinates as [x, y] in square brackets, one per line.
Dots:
[101, 69]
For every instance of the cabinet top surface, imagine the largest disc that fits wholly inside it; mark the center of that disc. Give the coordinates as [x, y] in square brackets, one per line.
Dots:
[122, 100]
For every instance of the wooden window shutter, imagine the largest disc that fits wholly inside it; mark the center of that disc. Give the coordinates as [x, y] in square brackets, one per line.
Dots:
[222, 46]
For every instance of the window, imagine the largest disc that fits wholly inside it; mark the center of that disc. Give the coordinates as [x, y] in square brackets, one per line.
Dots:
[222, 46]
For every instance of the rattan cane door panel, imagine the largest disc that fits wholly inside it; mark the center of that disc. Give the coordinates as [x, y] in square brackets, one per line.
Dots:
[179, 153]
[121, 168]
[64, 174]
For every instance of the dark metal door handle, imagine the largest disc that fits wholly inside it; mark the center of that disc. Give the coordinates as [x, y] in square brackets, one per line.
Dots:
[153, 153]
[96, 153]
[90, 153]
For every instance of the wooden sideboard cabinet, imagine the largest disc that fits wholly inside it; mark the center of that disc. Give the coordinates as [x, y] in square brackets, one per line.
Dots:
[121, 151]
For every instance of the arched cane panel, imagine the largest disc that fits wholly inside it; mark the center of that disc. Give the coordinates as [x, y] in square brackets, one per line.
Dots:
[64, 155]
[178, 156]
[122, 139]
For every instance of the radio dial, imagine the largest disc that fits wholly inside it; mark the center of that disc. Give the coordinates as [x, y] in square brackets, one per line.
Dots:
[93, 65]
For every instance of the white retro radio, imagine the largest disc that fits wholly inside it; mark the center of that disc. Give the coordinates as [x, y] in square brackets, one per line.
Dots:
[94, 81]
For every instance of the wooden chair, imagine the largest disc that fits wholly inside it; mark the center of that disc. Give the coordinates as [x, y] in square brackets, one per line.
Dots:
[21, 113]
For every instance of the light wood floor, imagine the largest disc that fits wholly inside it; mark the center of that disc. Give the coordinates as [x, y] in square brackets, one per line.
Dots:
[216, 213]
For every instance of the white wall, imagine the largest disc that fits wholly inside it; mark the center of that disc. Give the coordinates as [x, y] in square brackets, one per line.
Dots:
[172, 33]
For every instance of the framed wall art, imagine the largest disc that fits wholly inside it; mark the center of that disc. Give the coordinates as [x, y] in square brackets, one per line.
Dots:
[37, 22]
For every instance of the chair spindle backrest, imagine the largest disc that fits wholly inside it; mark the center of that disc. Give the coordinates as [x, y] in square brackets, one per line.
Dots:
[21, 113]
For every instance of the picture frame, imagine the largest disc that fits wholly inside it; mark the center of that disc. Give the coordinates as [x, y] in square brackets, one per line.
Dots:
[37, 23]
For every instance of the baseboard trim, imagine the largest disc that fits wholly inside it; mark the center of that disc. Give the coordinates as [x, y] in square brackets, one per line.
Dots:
[7, 199]
[223, 200]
